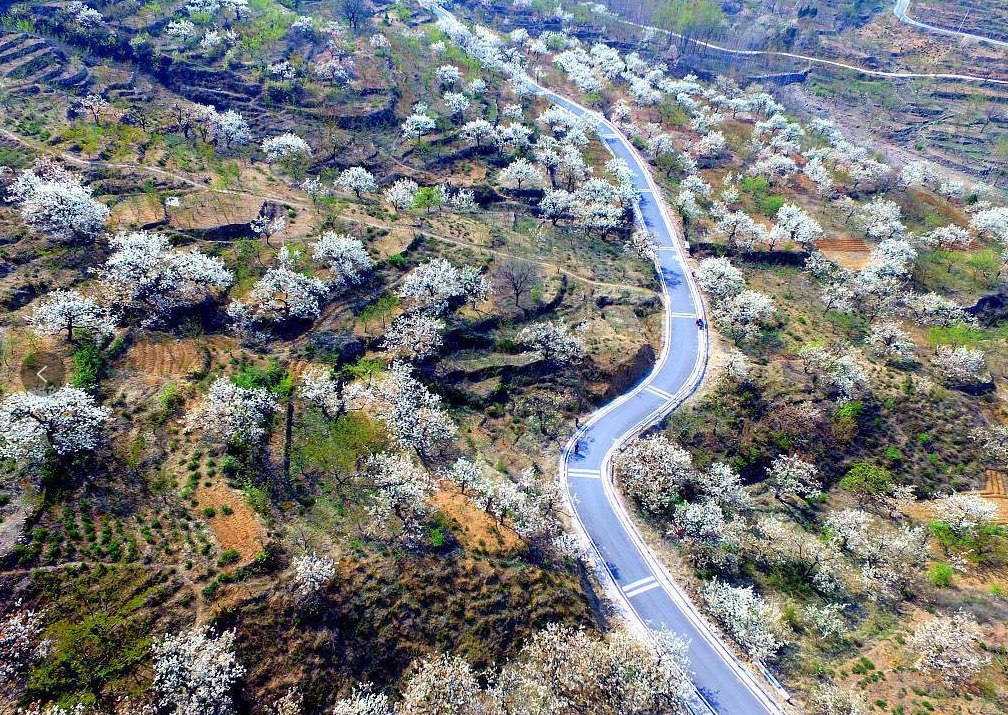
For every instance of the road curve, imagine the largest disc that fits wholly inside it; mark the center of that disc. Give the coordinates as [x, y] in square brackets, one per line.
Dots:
[833, 63]
[634, 576]
[901, 13]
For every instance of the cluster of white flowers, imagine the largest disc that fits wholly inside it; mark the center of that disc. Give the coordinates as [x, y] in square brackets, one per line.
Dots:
[312, 573]
[964, 513]
[402, 193]
[840, 371]
[317, 387]
[888, 340]
[21, 642]
[947, 647]
[64, 422]
[194, 672]
[411, 412]
[286, 148]
[52, 200]
[792, 476]
[554, 340]
[345, 256]
[230, 413]
[960, 365]
[418, 123]
[282, 294]
[415, 335]
[64, 311]
[746, 616]
[402, 492]
[357, 179]
[146, 275]
[433, 285]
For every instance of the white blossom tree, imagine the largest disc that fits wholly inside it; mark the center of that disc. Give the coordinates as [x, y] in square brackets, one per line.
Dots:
[888, 340]
[960, 365]
[402, 494]
[720, 278]
[63, 423]
[146, 276]
[414, 336]
[318, 388]
[232, 414]
[965, 513]
[358, 180]
[653, 472]
[745, 615]
[418, 123]
[744, 314]
[53, 201]
[411, 412]
[312, 573]
[790, 475]
[797, 226]
[345, 256]
[947, 648]
[288, 150]
[195, 671]
[22, 644]
[402, 194]
[521, 171]
[282, 294]
[63, 311]
[554, 341]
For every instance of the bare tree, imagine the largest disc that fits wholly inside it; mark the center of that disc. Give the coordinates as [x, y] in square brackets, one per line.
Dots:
[516, 279]
[354, 12]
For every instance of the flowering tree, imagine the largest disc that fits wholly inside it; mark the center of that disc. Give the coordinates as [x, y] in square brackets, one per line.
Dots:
[653, 471]
[312, 573]
[63, 423]
[364, 701]
[319, 389]
[21, 642]
[792, 476]
[707, 537]
[418, 123]
[231, 130]
[965, 513]
[402, 193]
[347, 259]
[444, 684]
[888, 340]
[797, 226]
[456, 103]
[745, 615]
[720, 278]
[880, 219]
[231, 414]
[410, 411]
[947, 648]
[521, 171]
[414, 336]
[54, 201]
[402, 493]
[194, 672]
[960, 365]
[568, 671]
[288, 150]
[833, 700]
[67, 310]
[280, 295]
[554, 340]
[358, 180]
[743, 315]
[145, 275]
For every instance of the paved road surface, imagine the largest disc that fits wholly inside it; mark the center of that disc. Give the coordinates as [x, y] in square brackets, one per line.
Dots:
[901, 12]
[639, 583]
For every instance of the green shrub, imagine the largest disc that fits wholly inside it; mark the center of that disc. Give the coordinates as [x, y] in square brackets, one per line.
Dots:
[209, 512]
[228, 557]
[940, 574]
[88, 365]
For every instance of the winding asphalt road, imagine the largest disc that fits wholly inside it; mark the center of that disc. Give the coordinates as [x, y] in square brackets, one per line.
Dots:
[635, 578]
[901, 12]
